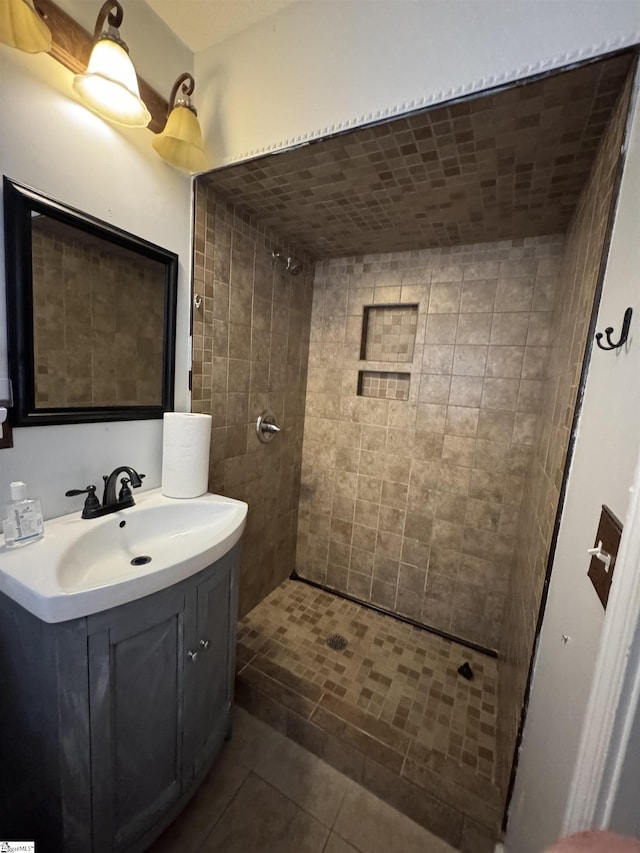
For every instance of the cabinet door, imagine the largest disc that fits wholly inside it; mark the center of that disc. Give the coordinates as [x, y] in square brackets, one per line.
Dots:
[216, 619]
[136, 664]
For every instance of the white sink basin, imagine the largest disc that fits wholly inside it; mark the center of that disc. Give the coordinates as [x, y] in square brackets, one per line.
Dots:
[83, 566]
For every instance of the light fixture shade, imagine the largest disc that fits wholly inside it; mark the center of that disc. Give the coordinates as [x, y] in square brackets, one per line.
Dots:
[23, 28]
[180, 143]
[110, 86]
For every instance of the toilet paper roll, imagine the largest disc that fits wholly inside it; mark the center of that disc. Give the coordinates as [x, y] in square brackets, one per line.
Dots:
[185, 454]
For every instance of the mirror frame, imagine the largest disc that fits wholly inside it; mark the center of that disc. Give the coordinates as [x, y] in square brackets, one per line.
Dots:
[19, 203]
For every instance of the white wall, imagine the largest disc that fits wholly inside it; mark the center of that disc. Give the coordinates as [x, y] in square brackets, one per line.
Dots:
[319, 64]
[606, 452]
[50, 142]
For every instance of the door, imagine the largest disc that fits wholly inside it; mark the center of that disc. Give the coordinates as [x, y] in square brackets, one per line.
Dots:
[136, 663]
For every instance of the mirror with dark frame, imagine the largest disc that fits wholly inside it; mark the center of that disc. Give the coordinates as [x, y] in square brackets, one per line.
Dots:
[91, 316]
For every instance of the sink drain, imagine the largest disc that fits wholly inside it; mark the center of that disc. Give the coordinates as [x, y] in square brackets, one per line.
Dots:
[140, 561]
[337, 641]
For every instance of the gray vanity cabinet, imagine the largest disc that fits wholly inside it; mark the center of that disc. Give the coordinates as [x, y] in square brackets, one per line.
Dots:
[209, 687]
[123, 713]
[136, 689]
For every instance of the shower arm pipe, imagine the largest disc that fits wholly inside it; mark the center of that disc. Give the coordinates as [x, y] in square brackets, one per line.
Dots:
[292, 266]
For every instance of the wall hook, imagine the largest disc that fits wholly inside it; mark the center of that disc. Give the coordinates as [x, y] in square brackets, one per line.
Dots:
[624, 334]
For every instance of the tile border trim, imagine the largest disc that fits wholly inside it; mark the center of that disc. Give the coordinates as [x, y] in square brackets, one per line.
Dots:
[493, 81]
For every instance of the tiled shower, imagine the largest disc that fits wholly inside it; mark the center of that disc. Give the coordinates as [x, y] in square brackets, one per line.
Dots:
[413, 505]
[424, 368]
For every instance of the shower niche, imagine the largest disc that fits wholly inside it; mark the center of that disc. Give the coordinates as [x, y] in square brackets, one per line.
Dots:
[388, 337]
[389, 333]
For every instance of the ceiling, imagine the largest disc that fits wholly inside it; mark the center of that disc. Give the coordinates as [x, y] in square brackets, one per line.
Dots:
[507, 164]
[202, 23]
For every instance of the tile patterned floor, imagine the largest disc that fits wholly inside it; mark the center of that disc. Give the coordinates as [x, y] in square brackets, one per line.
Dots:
[266, 794]
[393, 696]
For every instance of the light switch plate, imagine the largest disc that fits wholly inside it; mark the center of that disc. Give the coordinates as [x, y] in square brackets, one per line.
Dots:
[609, 534]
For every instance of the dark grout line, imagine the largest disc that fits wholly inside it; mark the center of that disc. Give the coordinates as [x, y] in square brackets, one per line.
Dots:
[407, 620]
[224, 810]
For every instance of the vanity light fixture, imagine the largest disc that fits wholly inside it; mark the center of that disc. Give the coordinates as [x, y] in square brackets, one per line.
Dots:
[22, 27]
[109, 85]
[180, 143]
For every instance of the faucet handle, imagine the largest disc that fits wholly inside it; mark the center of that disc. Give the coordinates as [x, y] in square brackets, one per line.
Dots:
[91, 501]
[125, 491]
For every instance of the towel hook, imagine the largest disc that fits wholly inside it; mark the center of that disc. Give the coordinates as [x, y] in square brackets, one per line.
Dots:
[624, 334]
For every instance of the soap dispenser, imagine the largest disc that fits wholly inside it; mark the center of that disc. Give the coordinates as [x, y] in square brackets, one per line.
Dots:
[23, 522]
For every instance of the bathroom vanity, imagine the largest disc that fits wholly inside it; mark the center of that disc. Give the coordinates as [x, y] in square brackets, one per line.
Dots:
[110, 721]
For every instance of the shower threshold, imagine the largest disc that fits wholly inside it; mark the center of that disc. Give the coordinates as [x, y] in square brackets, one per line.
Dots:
[389, 709]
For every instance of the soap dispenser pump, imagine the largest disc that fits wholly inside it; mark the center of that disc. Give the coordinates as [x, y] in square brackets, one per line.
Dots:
[23, 522]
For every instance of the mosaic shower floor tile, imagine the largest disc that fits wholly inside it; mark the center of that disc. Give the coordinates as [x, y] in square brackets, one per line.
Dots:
[393, 694]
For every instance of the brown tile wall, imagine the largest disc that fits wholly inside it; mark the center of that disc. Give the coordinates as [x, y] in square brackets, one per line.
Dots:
[98, 337]
[250, 351]
[413, 505]
[508, 163]
[578, 280]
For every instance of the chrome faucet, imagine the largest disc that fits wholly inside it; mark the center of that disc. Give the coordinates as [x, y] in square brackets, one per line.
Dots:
[110, 503]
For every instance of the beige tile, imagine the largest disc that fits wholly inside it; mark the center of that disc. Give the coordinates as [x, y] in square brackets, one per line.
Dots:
[366, 513]
[434, 389]
[478, 296]
[261, 818]
[539, 333]
[500, 394]
[474, 329]
[496, 425]
[491, 455]
[444, 298]
[414, 553]
[465, 391]
[303, 778]
[458, 450]
[515, 294]
[462, 420]
[437, 358]
[431, 417]
[505, 362]
[191, 827]
[361, 561]
[428, 445]
[509, 329]
[469, 360]
[442, 328]
[335, 844]
[374, 827]
[451, 507]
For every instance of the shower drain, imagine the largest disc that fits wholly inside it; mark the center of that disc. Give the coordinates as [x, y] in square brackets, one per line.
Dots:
[337, 641]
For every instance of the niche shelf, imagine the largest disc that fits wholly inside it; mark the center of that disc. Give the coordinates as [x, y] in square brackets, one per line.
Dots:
[389, 333]
[384, 385]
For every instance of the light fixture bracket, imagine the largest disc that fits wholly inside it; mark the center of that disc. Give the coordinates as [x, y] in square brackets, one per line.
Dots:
[112, 14]
[187, 84]
[110, 11]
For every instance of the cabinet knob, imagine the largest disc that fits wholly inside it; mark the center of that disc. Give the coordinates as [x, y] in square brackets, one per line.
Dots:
[204, 644]
[192, 655]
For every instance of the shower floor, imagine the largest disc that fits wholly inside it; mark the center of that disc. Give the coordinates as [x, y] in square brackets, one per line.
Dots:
[390, 709]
